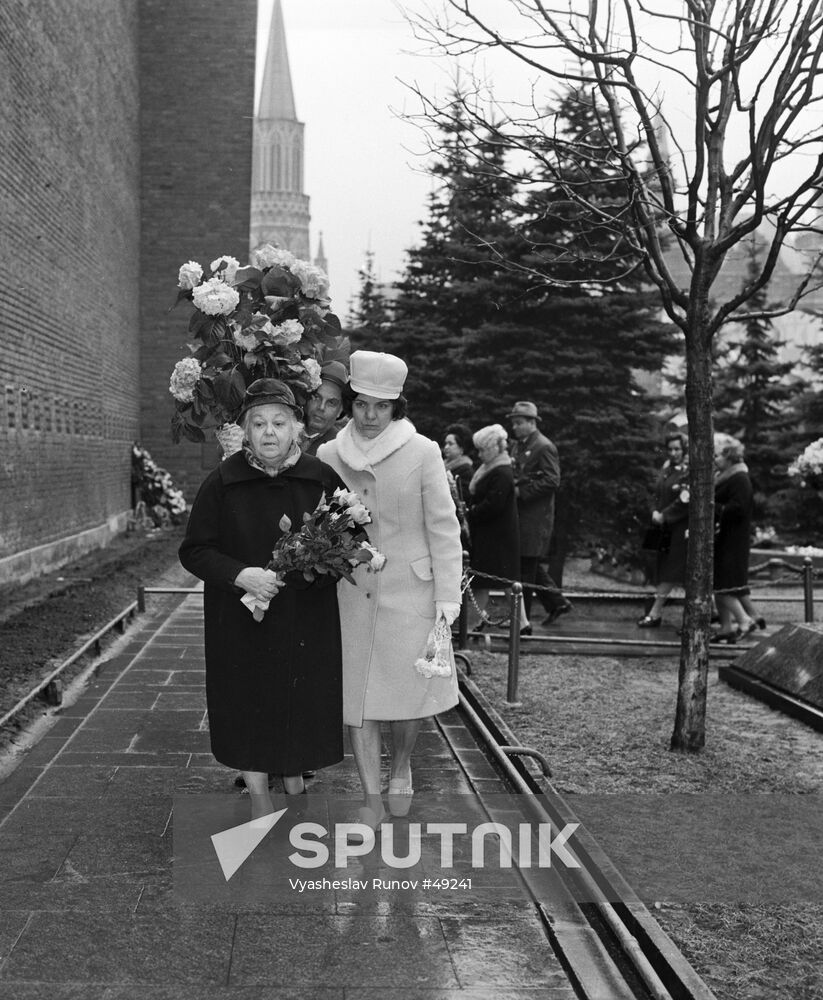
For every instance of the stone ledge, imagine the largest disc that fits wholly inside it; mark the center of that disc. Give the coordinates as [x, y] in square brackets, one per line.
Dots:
[23, 566]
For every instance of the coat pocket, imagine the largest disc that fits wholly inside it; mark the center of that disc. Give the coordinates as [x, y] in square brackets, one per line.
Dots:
[421, 586]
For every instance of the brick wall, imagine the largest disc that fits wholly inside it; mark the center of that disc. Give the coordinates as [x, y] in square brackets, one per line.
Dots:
[197, 79]
[69, 236]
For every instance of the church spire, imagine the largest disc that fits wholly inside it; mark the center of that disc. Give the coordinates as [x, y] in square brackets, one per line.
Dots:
[279, 208]
[276, 94]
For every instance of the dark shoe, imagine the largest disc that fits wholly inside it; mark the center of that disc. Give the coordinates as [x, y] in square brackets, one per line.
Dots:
[310, 774]
[648, 622]
[749, 628]
[526, 630]
[760, 623]
[730, 638]
[555, 613]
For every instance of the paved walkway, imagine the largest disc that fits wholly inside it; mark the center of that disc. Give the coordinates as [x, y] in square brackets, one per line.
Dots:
[91, 905]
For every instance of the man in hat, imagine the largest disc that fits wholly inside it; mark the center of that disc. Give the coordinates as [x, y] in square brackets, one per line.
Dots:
[537, 477]
[324, 406]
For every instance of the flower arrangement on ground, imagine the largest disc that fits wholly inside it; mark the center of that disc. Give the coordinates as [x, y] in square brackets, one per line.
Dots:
[331, 541]
[808, 467]
[155, 488]
[270, 319]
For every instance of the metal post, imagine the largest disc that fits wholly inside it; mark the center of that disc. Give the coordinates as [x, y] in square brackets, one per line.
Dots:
[141, 598]
[808, 588]
[463, 620]
[514, 642]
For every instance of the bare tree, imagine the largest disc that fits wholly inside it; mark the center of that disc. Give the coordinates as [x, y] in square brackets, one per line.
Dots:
[714, 110]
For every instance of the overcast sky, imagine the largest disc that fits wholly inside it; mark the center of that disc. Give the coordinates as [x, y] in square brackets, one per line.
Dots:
[363, 167]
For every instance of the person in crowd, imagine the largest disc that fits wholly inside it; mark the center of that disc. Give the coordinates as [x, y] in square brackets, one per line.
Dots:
[459, 470]
[387, 618]
[732, 541]
[492, 514]
[671, 517]
[273, 687]
[456, 446]
[536, 479]
[324, 406]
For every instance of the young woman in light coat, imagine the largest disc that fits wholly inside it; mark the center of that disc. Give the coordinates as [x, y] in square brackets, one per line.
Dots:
[387, 617]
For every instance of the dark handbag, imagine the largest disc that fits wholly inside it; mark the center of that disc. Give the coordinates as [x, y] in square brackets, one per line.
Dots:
[656, 539]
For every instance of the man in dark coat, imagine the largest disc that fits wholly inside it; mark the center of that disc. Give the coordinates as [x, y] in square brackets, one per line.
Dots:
[536, 477]
[324, 406]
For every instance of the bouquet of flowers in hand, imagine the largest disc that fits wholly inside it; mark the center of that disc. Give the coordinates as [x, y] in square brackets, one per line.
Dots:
[271, 319]
[808, 467]
[331, 540]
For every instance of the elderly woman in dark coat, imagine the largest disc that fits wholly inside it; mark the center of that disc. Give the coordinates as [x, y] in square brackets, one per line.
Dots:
[273, 687]
[732, 541]
[493, 515]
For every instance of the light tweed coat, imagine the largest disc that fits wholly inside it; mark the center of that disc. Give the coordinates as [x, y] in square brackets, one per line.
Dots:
[385, 620]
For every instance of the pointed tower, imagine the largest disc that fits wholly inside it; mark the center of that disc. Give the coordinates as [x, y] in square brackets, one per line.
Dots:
[320, 260]
[279, 209]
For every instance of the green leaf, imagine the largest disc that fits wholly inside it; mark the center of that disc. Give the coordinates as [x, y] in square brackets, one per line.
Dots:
[280, 282]
[248, 277]
[193, 433]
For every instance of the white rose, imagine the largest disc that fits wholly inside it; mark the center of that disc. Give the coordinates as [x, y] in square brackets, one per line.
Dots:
[229, 265]
[314, 283]
[189, 275]
[313, 370]
[290, 331]
[345, 497]
[184, 378]
[359, 513]
[268, 256]
[215, 298]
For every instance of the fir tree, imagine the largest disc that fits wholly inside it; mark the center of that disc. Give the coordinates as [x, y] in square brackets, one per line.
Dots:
[753, 396]
[574, 347]
[370, 317]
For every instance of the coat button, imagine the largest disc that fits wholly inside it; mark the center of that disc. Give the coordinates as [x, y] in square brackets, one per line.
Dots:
[368, 594]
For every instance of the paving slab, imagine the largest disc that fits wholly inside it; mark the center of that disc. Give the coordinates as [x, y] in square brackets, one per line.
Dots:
[90, 907]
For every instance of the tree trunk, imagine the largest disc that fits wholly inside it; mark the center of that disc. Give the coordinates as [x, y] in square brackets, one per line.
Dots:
[689, 734]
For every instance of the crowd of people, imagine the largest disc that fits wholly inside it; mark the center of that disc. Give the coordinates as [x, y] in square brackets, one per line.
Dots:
[667, 536]
[325, 654]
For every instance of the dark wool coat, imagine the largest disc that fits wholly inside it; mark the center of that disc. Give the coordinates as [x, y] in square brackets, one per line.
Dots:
[671, 561]
[537, 477]
[494, 528]
[733, 526]
[273, 688]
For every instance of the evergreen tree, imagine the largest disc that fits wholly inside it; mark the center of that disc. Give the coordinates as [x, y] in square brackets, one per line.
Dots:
[573, 347]
[370, 317]
[753, 396]
[458, 277]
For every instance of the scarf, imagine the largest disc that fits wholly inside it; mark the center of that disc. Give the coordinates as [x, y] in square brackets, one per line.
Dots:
[732, 470]
[290, 459]
[461, 462]
[361, 453]
[486, 468]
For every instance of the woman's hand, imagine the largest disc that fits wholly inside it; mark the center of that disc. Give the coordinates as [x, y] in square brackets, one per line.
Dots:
[260, 583]
[657, 517]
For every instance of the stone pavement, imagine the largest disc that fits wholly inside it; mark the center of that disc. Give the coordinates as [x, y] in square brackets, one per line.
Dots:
[89, 902]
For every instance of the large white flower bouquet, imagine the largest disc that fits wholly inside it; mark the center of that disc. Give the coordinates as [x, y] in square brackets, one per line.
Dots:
[808, 467]
[270, 319]
[331, 541]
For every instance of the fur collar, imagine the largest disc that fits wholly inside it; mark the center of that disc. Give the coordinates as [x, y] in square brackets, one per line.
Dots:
[398, 433]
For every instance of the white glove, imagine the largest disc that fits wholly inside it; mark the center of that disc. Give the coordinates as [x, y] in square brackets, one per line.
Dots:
[447, 609]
